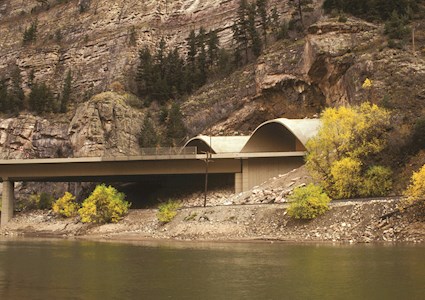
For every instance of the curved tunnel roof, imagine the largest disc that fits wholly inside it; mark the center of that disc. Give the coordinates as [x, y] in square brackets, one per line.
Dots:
[218, 144]
[278, 135]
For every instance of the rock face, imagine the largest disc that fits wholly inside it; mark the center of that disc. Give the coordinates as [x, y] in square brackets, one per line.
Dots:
[28, 136]
[99, 39]
[297, 78]
[105, 125]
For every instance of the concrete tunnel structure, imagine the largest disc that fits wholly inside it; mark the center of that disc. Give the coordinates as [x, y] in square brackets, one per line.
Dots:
[275, 147]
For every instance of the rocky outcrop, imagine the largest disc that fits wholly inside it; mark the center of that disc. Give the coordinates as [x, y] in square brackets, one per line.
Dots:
[29, 136]
[105, 125]
[338, 57]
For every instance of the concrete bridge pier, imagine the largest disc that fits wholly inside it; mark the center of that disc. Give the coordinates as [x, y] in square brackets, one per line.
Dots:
[8, 199]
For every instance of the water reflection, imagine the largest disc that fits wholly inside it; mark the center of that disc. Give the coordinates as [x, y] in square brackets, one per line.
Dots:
[34, 269]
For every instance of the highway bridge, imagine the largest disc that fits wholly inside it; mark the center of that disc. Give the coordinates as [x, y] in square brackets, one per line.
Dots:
[274, 148]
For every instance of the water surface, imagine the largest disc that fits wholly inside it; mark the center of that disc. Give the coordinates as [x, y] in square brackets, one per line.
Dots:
[58, 269]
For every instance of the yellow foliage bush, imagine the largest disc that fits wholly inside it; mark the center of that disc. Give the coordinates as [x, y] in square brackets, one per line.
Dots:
[104, 205]
[341, 154]
[66, 206]
[416, 189]
[346, 177]
[308, 202]
[167, 211]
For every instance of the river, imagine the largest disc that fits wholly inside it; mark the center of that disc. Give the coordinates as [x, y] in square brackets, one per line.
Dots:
[68, 269]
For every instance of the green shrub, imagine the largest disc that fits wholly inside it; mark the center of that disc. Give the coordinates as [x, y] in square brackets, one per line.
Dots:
[167, 211]
[46, 201]
[308, 202]
[30, 34]
[342, 19]
[38, 201]
[376, 182]
[66, 206]
[418, 135]
[104, 205]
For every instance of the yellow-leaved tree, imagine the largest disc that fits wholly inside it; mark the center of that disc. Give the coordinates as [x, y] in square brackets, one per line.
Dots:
[415, 192]
[341, 154]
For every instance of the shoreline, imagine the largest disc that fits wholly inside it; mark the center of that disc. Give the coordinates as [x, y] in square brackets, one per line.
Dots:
[345, 223]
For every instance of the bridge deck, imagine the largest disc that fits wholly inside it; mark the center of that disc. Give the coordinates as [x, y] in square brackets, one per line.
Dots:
[71, 169]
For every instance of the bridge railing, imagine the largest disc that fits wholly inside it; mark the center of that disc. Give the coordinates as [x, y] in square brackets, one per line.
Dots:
[157, 152]
[161, 151]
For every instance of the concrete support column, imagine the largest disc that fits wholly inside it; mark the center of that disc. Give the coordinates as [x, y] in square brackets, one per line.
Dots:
[245, 175]
[242, 179]
[238, 183]
[8, 199]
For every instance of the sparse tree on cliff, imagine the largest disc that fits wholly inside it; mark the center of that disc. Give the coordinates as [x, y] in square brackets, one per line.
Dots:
[264, 19]
[4, 97]
[192, 52]
[300, 6]
[240, 32]
[30, 34]
[202, 57]
[252, 30]
[145, 73]
[213, 47]
[176, 129]
[148, 135]
[66, 92]
[41, 98]
[16, 93]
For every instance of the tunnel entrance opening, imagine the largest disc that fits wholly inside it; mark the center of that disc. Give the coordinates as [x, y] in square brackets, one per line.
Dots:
[149, 190]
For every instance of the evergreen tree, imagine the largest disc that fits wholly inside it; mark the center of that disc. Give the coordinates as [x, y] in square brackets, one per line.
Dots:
[264, 20]
[174, 73]
[145, 73]
[376, 9]
[160, 88]
[31, 77]
[240, 31]
[66, 92]
[4, 97]
[274, 20]
[213, 47]
[160, 57]
[176, 130]
[202, 58]
[148, 135]
[30, 34]
[191, 61]
[300, 5]
[224, 63]
[41, 98]
[16, 93]
[252, 29]
[396, 27]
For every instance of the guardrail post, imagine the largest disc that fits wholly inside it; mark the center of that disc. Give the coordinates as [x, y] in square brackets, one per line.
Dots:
[8, 199]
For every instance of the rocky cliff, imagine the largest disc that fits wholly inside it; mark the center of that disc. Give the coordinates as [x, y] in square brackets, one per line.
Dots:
[105, 125]
[99, 39]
